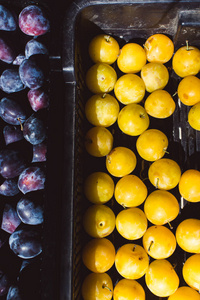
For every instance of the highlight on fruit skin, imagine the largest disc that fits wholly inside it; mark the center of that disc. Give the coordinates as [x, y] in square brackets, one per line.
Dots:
[128, 289]
[186, 61]
[103, 48]
[194, 116]
[101, 78]
[131, 261]
[99, 220]
[185, 293]
[159, 242]
[120, 161]
[159, 48]
[188, 235]
[164, 173]
[190, 271]
[98, 255]
[130, 191]
[161, 278]
[99, 187]
[132, 58]
[97, 286]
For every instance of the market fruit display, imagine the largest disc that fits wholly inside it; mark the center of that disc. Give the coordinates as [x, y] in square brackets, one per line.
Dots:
[144, 179]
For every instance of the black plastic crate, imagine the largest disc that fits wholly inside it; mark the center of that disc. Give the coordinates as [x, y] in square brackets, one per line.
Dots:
[127, 21]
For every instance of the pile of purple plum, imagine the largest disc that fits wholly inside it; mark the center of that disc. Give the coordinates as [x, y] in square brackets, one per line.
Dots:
[24, 103]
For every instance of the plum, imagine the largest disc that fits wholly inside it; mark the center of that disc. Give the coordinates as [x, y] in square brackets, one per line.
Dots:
[25, 243]
[4, 283]
[10, 219]
[39, 152]
[31, 179]
[10, 81]
[29, 211]
[12, 134]
[38, 99]
[31, 74]
[7, 19]
[9, 187]
[11, 112]
[19, 59]
[11, 163]
[33, 21]
[34, 130]
[6, 53]
[34, 47]
[14, 293]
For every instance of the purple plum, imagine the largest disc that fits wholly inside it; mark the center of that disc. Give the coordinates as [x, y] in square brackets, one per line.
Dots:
[31, 179]
[10, 219]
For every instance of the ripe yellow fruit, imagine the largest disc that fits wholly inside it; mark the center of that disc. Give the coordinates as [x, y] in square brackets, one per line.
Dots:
[189, 185]
[159, 242]
[131, 261]
[129, 88]
[155, 76]
[152, 144]
[102, 110]
[128, 289]
[133, 119]
[186, 61]
[164, 173]
[99, 255]
[194, 116]
[188, 235]
[189, 90]
[130, 191]
[101, 78]
[161, 207]
[159, 104]
[98, 141]
[99, 187]
[132, 58]
[185, 293]
[99, 220]
[121, 161]
[97, 286]
[191, 272]
[131, 223]
[159, 48]
[161, 278]
[103, 48]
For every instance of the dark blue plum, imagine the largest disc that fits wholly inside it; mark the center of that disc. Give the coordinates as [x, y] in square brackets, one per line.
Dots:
[39, 152]
[4, 283]
[25, 243]
[11, 163]
[29, 211]
[11, 112]
[34, 130]
[19, 59]
[9, 187]
[7, 19]
[12, 134]
[31, 179]
[38, 99]
[14, 293]
[31, 74]
[33, 21]
[10, 81]
[7, 55]
[34, 47]
[10, 219]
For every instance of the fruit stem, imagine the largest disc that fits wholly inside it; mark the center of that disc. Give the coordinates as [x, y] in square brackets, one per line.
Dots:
[170, 226]
[157, 181]
[20, 122]
[175, 94]
[187, 45]
[145, 47]
[106, 287]
[134, 247]
[107, 38]
[142, 116]
[150, 246]
[165, 150]
[104, 95]
[124, 207]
